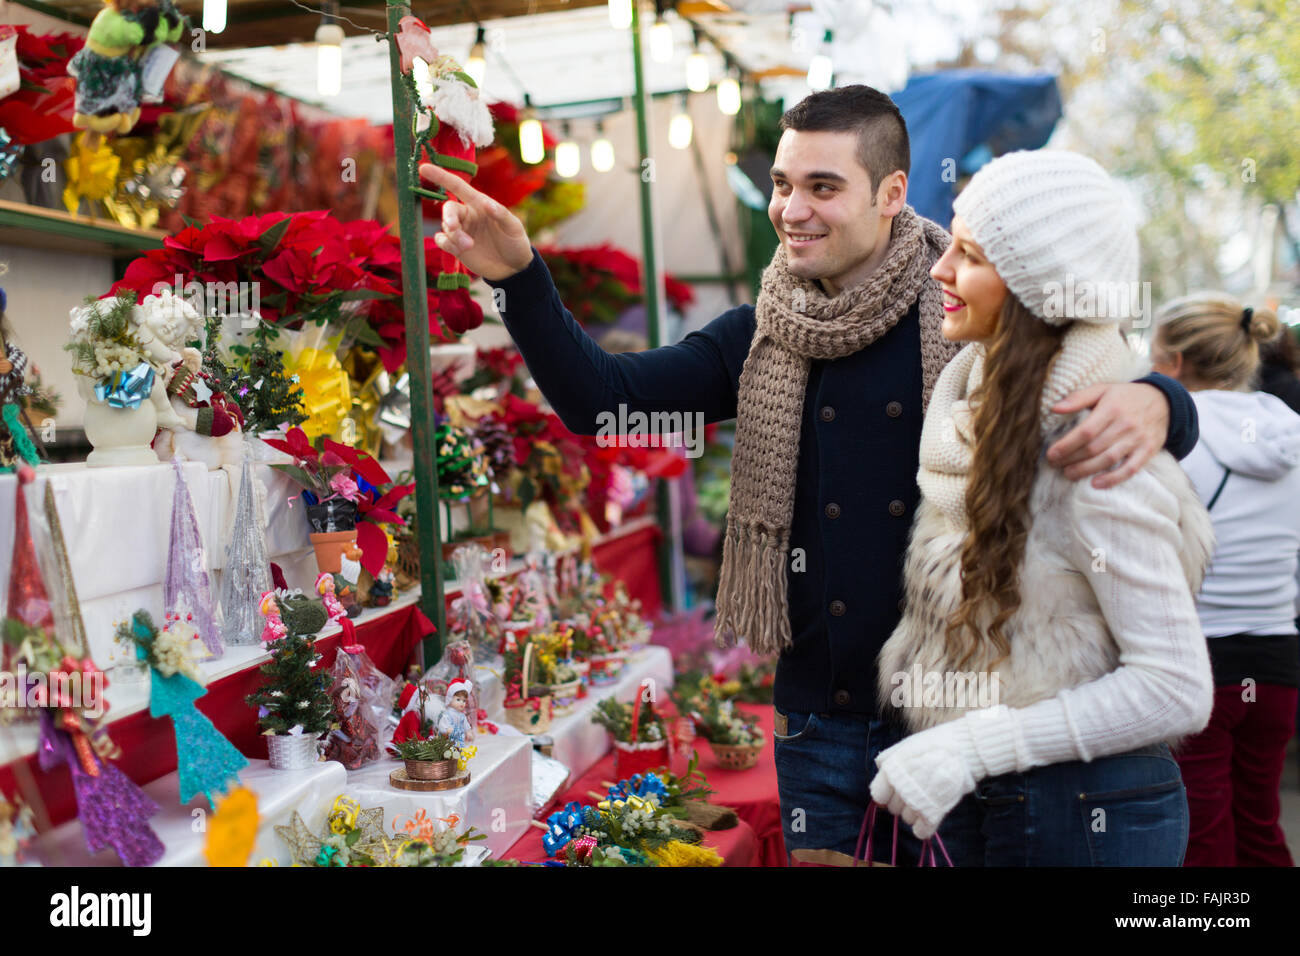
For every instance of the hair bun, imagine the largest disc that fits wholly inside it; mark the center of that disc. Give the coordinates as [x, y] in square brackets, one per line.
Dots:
[1262, 325]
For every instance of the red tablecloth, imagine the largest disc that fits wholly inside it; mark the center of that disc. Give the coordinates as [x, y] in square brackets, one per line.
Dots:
[737, 846]
[751, 793]
[149, 744]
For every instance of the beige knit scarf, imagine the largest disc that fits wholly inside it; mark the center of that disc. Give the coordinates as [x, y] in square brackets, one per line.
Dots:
[797, 323]
[1089, 354]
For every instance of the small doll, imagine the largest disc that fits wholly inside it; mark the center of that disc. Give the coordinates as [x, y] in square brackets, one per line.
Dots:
[345, 582]
[454, 721]
[16, 831]
[325, 588]
[381, 590]
[107, 68]
[275, 628]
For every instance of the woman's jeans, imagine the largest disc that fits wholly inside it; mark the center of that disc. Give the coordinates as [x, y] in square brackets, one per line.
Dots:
[1123, 810]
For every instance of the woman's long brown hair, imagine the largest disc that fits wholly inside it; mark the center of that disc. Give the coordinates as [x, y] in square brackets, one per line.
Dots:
[1004, 464]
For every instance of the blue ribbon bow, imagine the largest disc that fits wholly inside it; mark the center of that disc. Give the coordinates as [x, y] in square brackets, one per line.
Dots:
[560, 827]
[126, 389]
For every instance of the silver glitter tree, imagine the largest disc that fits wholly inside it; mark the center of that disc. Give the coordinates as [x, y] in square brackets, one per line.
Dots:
[247, 575]
[186, 590]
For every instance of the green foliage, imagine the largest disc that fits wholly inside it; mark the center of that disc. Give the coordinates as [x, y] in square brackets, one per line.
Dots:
[616, 717]
[294, 694]
[432, 748]
[267, 395]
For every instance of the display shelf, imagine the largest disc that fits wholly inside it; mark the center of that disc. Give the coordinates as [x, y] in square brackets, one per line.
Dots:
[182, 827]
[38, 227]
[127, 698]
[496, 802]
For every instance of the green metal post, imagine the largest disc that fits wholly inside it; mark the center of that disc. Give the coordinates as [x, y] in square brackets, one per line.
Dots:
[663, 501]
[416, 305]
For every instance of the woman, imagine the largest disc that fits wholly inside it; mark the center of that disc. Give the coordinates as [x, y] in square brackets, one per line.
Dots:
[1246, 468]
[1072, 605]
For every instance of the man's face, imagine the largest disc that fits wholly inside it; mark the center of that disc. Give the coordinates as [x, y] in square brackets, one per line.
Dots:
[822, 208]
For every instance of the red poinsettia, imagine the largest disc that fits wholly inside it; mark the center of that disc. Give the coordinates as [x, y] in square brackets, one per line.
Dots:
[42, 108]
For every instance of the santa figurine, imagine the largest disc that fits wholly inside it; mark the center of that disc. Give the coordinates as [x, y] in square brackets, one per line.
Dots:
[454, 721]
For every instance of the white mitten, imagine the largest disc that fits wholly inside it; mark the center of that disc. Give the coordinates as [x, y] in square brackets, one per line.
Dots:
[922, 777]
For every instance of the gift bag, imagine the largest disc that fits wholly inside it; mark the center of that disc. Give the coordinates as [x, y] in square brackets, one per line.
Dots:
[363, 696]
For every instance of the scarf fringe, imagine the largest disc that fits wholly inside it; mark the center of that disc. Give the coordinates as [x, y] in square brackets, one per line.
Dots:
[752, 590]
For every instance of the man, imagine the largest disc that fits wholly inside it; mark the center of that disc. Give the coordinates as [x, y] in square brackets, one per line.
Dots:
[827, 378]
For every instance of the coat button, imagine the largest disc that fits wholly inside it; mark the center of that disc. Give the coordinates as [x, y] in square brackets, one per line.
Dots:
[828, 413]
[832, 510]
[842, 698]
[893, 409]
[896, 507]
[838, 608]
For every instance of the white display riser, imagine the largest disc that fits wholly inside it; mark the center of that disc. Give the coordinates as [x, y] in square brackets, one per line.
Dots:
[496, 801]
[310, 792]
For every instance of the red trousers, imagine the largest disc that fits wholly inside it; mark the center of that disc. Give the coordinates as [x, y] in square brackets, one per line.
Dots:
[1233, 771]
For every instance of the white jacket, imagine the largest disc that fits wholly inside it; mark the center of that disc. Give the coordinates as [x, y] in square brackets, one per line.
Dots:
[1251, 587]
[1106, 651]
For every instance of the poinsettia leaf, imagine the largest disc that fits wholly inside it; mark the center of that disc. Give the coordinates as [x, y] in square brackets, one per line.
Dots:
[269, 239]
[360, 295]
[296, 473]
[374, 546]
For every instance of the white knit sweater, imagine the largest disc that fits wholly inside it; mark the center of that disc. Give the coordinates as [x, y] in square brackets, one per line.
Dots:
[1106, 653]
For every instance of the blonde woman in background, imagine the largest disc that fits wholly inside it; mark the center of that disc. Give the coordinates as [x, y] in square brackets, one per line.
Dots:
[1245, 468]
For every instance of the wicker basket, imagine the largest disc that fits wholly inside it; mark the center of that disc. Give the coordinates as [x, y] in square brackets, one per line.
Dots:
[734, 757]
[529, 716]
[408, 557]
[638, 757]
[430, 769]
[605, 668]
[564, 696]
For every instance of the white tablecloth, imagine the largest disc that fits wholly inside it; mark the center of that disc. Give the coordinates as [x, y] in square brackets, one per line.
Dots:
[497, 801]
[279, 793]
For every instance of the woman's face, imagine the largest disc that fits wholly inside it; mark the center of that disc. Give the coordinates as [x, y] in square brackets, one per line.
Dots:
[973, 292]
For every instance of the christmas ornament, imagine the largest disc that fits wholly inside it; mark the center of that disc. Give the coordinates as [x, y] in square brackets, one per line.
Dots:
[462, 468]
[9, 151]
[206, 761]
[247, 574]
[351, 837]
[187, 593]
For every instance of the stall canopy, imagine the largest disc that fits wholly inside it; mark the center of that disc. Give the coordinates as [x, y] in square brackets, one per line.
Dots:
[958, 120]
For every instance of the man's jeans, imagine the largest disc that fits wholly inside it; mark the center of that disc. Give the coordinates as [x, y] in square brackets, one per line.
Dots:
[824, 767]
[1123, 810]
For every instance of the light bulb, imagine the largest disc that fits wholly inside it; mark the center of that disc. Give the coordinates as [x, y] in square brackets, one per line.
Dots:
[602, 155]
[620, 14]
[476, 65]
[820, 72]
[568, 159]
[329, 59]
[532, 148]
[729, 96]
[679, 131]
[661, 42]
[697, 73]
[214, 15]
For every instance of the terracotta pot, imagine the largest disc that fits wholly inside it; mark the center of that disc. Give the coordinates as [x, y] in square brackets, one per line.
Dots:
[430, 769]
[330, 547]
[120, 436]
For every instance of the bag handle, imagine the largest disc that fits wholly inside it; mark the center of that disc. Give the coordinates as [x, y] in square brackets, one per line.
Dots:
[527, 666]
[868, 833]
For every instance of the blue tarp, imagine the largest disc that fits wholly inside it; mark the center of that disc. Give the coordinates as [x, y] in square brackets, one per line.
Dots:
[960, 119]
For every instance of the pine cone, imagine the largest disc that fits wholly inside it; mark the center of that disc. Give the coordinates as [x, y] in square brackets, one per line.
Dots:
[498, 446]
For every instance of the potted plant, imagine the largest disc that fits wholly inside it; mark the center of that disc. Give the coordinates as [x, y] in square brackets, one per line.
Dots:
[734, 736]
[639, 737]
[527, 712]
[294, 706]
[427, 753]
[348, 498]
[556, 673]
[608, 657]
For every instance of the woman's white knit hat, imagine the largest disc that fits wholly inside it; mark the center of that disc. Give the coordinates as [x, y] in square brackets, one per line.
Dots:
[1060, 232]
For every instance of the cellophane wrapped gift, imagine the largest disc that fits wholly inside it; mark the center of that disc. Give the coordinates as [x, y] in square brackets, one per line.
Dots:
[363, 698]
[472, 617]
[456, 664]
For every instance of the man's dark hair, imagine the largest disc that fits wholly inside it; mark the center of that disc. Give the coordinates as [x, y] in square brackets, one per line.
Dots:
[882, 135]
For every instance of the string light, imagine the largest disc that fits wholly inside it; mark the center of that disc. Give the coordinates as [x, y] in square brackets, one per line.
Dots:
[532, 145]
[697, 72]
[476, 65]
[329, 58]
[729, 96]
[661, 40]
[821, 71]
[620, 14]
[680, 128]
[214, 15]
[602, 151]
[568, 157]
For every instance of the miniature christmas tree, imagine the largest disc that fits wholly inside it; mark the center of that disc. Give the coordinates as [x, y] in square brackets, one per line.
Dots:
[247, 575]
[186, 590]
[273, 397]
[295, 699]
